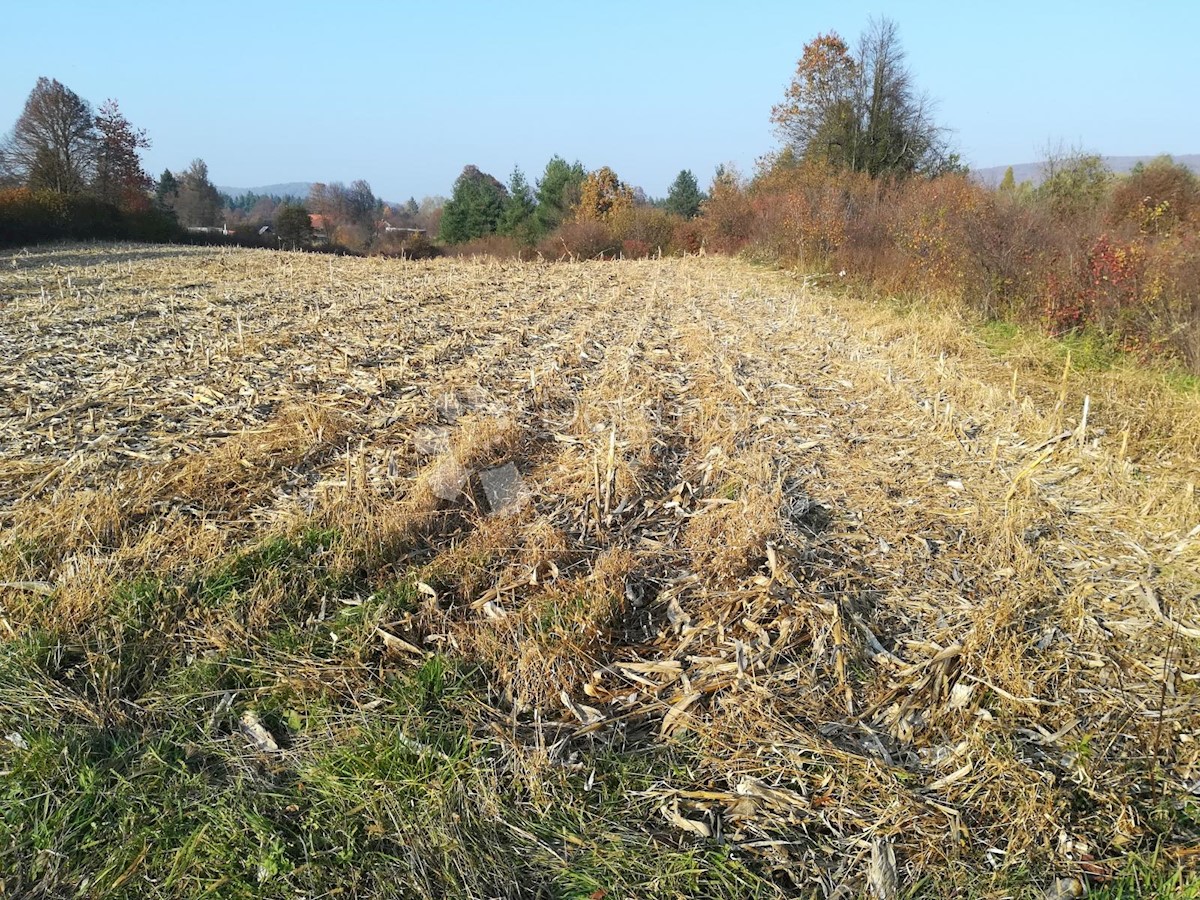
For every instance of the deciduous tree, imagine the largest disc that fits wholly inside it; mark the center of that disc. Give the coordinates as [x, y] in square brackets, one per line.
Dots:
[52, 146]
[349, 213]
[197, 202]
[362, 207]
[293, 226]
[603, 194]
[817, 116]
[1158, 196]
[861, 111]
[264, 209]
[119, 177]
[1075, 182]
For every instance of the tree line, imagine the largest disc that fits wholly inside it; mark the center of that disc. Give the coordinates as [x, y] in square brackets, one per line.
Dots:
[68, 170]
[481, 205]
[865, 182]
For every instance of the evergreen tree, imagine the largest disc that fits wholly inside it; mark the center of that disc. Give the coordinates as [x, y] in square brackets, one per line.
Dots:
[166, 191]
[558, 192]
[1008, 184]
[475, 208]
[518, 221]
[684, 197]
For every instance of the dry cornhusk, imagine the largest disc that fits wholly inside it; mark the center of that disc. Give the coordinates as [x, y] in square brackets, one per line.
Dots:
[911, 612]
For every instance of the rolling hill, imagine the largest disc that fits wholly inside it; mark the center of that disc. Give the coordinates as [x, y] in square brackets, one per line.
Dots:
[285, 189]
[1033, 171]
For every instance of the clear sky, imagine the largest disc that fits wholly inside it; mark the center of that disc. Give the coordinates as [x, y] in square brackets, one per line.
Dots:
[404, 94]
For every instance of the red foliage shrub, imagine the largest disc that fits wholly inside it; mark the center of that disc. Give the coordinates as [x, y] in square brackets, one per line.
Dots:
[1157, 198]
[632, 248]
[804, 211]
[687, 236]
[1130, 267]
[729, 218]
[932, 218]
[497, 245]
[1008, 242]
[588, 239]
[1170, 296]
[643, 231]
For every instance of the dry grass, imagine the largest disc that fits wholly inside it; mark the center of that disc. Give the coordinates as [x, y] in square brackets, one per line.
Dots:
[831, 585]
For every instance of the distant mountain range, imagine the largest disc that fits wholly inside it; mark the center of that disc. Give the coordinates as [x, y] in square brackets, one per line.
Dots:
[990, 176]
[287, 189]
[1034, 171]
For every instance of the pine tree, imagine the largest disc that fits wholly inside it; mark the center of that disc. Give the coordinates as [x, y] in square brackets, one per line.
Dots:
[684, 197]
[558, 192]
[519, 210]
[166, 191]
[475, 209]
[1008, 184]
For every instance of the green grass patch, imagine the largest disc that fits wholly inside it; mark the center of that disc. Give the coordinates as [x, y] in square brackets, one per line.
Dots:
[129, 774]
[131, 777]
[1090, 351]
[284, 558]
[1148, 878]
[405, 799]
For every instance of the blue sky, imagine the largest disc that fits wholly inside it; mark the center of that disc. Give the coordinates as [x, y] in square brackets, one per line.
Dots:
[405, 94]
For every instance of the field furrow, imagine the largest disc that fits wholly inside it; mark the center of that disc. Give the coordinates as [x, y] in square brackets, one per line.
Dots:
[662, 578]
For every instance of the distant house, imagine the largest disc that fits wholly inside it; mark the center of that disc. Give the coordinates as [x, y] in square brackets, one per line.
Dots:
[388, 228]
[210, 229]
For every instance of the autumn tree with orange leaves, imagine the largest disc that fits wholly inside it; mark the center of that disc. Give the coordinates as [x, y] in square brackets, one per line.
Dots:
[603, 195]
[817, 115]
[861, 111]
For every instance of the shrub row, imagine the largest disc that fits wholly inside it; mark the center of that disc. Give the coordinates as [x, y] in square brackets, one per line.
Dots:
[631, 232]
[1128, 264]
[30, 217]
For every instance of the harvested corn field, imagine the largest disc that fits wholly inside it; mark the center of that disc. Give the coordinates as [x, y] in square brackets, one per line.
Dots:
[360, 578]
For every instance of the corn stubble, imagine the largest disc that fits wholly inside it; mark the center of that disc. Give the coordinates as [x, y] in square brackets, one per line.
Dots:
[900, 620]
